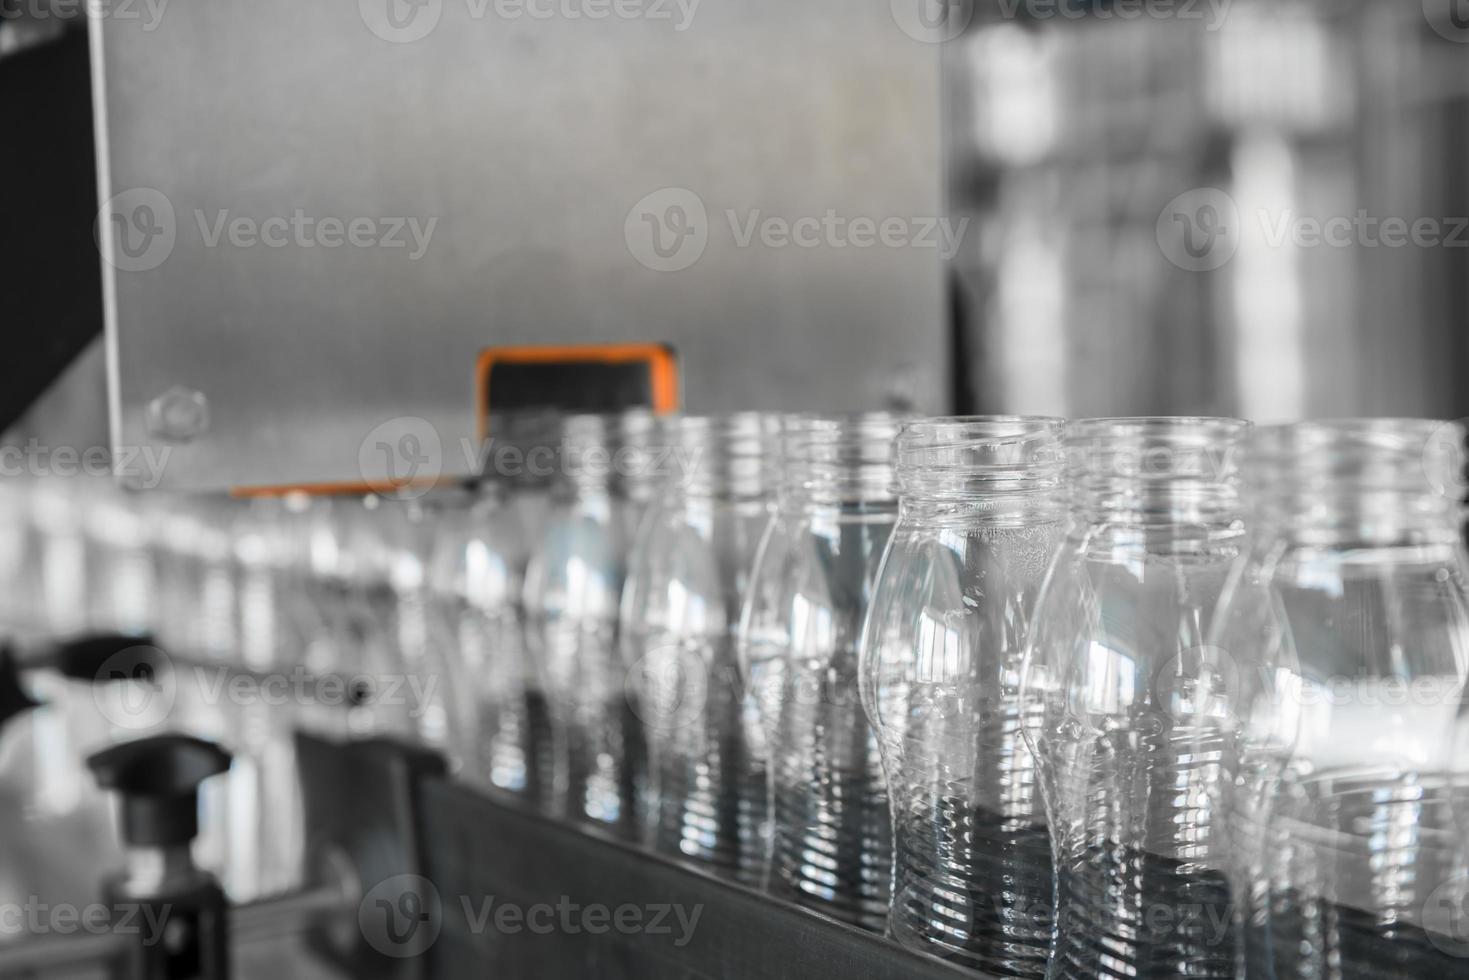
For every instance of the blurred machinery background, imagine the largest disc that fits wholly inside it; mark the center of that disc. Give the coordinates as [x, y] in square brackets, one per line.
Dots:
[1069, 207]
[1069, 148]
[1082, 145]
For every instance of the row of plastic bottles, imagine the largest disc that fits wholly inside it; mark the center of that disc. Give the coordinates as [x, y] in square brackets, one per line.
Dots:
[261, 617]
[1118, 698]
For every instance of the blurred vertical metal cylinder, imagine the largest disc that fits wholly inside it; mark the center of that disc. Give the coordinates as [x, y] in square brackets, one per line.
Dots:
[1250, 208]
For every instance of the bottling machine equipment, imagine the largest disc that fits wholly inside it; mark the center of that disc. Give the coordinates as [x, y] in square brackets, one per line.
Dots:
[337, 241]
[404, 869]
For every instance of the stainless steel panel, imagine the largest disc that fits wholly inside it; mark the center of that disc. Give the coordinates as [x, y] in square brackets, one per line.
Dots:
[525, 139]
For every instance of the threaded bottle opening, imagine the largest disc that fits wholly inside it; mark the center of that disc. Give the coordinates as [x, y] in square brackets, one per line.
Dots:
[645, 459]
[979, 455]
[839, 458]
[521, 449]
[1382, 476]
[727, 455]
[1155, 470]
[587, 449]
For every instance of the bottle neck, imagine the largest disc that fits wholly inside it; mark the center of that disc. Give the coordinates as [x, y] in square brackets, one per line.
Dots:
[1154, 504]
[586, 456]
[491, 492]
[998, 509]
[1367, 519]
[1159, 472]
[522, 453]
[842, 462]
[645, 456]
[999, 468]
[726, 457]
[1348, 483]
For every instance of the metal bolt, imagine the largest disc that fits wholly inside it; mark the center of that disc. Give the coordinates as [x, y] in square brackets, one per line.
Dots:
[179, 415]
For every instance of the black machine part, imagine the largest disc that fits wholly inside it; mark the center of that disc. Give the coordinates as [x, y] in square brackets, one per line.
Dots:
[104, 657]
[97, 657]
[14, 699]
[362, 800]
[159, 780]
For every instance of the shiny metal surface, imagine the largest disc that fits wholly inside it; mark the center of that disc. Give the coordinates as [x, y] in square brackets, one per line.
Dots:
[535, 153]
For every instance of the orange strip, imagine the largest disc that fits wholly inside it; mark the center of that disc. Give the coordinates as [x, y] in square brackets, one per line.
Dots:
[340, 489]
[663, 380]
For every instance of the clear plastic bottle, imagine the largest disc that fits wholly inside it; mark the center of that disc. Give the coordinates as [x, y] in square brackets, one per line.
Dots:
[271, 647]
[521, 459]
[202, 546]
[263, 636]
[1347, 626]
[440, 705]
[644, 464]
[58, 508]
[362, 597]
[122, 594]
[309, 609]
[477, 576]
[194, 568]
[647, 459]
[982, 509]
[799, 638]
[690, 573]
[95, 573]
[75, 717]
[522, 454]
[214, 559]
[573, 585]
[1122, 697]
